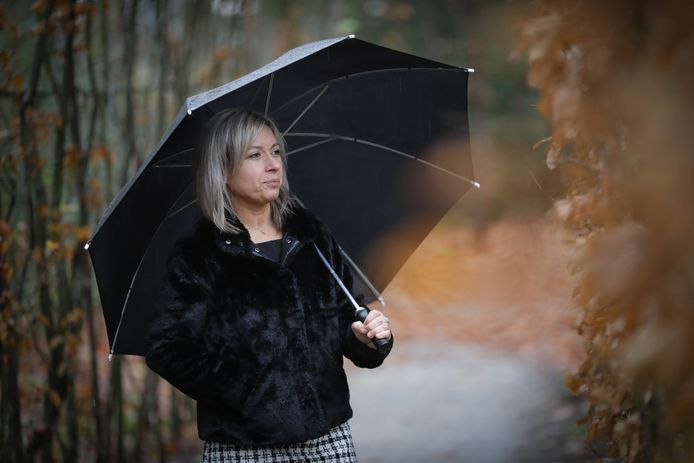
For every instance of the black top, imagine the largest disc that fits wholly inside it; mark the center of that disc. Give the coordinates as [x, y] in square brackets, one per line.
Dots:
[271, 249]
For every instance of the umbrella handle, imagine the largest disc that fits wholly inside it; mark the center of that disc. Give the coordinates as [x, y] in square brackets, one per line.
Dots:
[381, 344]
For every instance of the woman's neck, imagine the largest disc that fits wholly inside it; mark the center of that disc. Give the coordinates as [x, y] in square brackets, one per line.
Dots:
[255, 217]
[258, 222]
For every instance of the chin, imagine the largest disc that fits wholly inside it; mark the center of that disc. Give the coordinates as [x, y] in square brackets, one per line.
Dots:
[271, 198]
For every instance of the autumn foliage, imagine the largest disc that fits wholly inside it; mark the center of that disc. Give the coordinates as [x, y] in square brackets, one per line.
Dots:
[616, 83]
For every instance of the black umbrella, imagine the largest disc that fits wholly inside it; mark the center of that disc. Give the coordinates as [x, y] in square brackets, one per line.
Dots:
[362, 123]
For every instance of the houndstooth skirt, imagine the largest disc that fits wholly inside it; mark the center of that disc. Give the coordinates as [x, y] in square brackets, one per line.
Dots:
[335, 446]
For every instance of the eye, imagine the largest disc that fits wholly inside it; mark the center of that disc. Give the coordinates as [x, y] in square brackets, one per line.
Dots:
[276, 152]
[254, 155]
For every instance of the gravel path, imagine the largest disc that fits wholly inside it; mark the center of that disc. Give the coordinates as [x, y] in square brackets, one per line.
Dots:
[446, 402]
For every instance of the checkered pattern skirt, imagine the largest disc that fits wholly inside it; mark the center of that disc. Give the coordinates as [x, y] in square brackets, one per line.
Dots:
[334, 447]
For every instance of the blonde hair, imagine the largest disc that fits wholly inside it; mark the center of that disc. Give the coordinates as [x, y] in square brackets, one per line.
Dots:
[228, 136]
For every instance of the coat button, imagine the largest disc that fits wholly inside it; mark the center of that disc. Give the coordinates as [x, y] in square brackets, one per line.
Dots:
[257, 250]
[288, 241]
[228, 241]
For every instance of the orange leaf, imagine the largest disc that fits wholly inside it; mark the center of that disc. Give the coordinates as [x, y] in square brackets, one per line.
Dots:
[82, 233]
[71, 156]
[39, 6]
[5, 230]
[221, 53]
[100, 153]
[18, 81]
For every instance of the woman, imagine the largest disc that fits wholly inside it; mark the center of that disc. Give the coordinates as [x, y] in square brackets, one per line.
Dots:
[250, 322]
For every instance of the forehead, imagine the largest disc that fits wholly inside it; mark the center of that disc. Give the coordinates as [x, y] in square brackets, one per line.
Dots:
[264, 138]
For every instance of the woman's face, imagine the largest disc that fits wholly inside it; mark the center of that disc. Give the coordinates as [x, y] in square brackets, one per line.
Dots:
[258, 177]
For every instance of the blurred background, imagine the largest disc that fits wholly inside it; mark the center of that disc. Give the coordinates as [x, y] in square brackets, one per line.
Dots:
[484, 313]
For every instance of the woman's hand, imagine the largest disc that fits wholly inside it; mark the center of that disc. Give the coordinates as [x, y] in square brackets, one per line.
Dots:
[375, 325]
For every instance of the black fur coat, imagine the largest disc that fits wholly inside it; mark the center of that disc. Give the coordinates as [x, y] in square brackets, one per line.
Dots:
[258, 344]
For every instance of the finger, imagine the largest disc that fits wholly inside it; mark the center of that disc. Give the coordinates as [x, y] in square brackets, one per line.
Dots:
[381, 332]
[361, 337]
[373, 324]
[379, 322]
[359, 328]
[373, 314]
[360, 331]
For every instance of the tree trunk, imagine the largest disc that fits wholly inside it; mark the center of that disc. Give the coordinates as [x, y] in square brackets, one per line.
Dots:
[81, 264]
[11, 448]
[163, 48]
[185, 53]
[147, 409]
[175, 435]
[35, 194]
[71, 452]
[4, 415]
[161, 445]
[61, 363]
[11, 442]
[66, 285]
[129, 50]
[103, 123]
[115, 408]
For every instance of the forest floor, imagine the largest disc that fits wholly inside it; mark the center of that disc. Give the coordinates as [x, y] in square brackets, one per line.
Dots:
[484, 341]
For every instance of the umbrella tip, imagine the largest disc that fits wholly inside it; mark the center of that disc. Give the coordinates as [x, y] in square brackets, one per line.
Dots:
[351, 36]
[190, 111]
[476, 184]
[87, 244]
[110, 357]
[382, 301]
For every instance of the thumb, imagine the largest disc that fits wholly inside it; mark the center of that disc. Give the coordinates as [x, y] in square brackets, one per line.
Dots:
[358, 329]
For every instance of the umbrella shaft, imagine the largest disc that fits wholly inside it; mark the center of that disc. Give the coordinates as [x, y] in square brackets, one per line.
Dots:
[363, 277]
[337, 278]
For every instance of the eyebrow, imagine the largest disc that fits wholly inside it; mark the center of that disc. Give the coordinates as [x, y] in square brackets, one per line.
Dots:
[256, 146]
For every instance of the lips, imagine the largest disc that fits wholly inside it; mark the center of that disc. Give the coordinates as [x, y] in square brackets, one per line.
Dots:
[273, 183]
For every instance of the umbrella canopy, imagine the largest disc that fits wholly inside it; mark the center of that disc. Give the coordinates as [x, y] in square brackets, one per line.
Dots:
[377, 146]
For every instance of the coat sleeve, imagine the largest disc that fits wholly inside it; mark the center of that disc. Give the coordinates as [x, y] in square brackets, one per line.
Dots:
[359, 353]
[178, 348]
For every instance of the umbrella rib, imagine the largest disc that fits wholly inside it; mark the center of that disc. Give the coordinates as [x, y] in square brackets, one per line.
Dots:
[474, 183]
[325, 88]
[139, 264]
[181, 208]
[179, 153]
[122, 312]
[269, 92]
[312, 145]
[331, 137]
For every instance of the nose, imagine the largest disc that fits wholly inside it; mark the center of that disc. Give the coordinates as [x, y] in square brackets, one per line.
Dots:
[274, 163]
